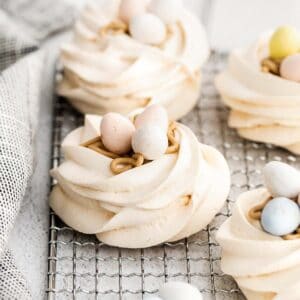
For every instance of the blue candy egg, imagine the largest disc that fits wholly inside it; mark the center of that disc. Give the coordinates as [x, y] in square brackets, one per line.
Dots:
[280, 216]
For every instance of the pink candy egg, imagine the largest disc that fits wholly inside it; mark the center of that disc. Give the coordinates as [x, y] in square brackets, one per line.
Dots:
[116, 133]
[131, 8]
[155, 115]
[290, 68]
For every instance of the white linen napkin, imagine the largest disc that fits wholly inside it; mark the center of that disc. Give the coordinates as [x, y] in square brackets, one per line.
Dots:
[24, 24]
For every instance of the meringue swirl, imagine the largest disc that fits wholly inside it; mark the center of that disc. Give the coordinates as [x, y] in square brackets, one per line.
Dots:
[163, 200]
[105, 72]
[264, 107]
[266, 267]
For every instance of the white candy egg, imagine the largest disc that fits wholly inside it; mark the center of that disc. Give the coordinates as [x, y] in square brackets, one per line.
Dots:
[290, 68]
[154, 114]
[151, 141]
[176, 290]
[131, 8]
[116, 133]
[167, 10]
[280, 216]
[147, 28]
[281, 179]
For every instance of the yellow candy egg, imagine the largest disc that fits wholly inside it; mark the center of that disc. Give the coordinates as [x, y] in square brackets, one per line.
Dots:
[284, 41]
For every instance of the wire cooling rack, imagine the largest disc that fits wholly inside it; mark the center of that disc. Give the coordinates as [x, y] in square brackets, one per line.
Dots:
[81, 267]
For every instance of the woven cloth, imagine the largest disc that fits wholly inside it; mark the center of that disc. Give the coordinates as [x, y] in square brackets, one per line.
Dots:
[24, 24]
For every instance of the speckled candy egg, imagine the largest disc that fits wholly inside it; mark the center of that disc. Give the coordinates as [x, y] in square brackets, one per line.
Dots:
[284, 41]
[147, 28]
[154, 114]
[116, 133]
[281, 179]
[151, 141]
[280, 216]
[177, 290]
[167, 10]
[290, 68]
[131, 8]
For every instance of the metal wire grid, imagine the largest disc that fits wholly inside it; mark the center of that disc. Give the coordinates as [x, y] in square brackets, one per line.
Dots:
[81, 267]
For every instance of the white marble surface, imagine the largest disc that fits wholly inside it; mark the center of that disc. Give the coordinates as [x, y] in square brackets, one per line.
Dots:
[230, 23]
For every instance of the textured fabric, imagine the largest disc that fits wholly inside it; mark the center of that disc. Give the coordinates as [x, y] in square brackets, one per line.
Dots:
[13, 42]
[23, 25]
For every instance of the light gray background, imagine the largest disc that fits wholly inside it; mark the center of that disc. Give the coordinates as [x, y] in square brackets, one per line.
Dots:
[229, 23]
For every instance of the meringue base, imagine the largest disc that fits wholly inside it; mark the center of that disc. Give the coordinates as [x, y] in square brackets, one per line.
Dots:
[282, 133]
[165, 200]
[89, 216]
[265, 267]
[178, 99]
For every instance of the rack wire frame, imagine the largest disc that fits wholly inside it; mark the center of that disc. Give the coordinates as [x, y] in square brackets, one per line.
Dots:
[81, 267]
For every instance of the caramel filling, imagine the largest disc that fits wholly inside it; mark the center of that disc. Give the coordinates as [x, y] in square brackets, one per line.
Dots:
[115, 27]
[124, 163]
[270, 65]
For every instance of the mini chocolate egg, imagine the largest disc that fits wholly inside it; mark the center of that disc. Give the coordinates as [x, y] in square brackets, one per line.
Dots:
[177, 290]
[167, 10]
[116, 133]
[147, 28]
[280, 216]
[290, 68]
[154, 114]
[151, 141]
[284, 41]
[131, 8]
[281, 180]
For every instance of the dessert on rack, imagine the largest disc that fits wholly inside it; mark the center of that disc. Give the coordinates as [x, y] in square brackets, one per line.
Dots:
[261, 240]
[138, 182]
[127, 54]
[261, 86]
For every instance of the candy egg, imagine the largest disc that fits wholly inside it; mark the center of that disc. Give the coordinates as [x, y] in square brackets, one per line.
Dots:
[176, 290]
[281, 179]
[151, 141]
[280, 216]
[131, 8]
[147, 28]
[154, 114]
[290, 68]
[116, 133]
[284, 41]
[167, 10]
